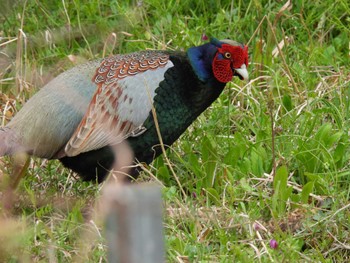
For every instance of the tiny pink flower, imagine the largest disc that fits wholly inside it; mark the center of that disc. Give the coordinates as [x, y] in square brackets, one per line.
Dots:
[256, 226]
[273, 244]
[204, 37]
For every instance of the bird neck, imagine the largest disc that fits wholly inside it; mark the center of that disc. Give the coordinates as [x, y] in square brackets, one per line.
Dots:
[201, 59]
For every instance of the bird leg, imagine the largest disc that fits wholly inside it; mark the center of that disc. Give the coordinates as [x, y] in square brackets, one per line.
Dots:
[21, 163]
[10, 183]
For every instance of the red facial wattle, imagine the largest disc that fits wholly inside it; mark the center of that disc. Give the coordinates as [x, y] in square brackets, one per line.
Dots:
[223, 67]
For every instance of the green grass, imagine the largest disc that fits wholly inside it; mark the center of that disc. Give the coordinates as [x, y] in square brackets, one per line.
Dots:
[291, 121]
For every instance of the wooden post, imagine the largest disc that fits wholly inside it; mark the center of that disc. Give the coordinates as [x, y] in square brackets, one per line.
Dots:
[134, 223]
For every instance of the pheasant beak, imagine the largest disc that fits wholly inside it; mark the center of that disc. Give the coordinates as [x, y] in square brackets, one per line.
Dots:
[242, 72]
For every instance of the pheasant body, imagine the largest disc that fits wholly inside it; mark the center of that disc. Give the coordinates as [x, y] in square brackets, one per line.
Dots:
[46, 122]
[102, 103]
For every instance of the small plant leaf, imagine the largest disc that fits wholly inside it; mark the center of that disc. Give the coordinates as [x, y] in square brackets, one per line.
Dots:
[287, 102]
[281, 178]
[306, 191]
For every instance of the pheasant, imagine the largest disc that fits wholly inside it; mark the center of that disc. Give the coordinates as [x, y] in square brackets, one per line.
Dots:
[82, 113]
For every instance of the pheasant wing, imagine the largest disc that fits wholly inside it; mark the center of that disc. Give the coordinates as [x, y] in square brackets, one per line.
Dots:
[126, 86]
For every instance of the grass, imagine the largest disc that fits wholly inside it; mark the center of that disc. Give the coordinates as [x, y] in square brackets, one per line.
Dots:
[268, 160]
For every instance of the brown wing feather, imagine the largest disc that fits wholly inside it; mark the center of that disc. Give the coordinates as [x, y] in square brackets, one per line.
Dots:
[102, 124]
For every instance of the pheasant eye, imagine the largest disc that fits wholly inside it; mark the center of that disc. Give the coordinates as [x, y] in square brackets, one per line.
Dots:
[227, 55]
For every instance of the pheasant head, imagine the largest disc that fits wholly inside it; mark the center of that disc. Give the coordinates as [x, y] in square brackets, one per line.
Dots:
[220, 59]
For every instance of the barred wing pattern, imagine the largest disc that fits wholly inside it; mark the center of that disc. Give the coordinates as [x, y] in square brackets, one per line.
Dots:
[126, 87]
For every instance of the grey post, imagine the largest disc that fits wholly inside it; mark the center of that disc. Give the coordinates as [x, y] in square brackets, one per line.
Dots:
[134, 225]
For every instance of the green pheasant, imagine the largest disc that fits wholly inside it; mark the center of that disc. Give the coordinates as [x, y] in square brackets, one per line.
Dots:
[81, 114]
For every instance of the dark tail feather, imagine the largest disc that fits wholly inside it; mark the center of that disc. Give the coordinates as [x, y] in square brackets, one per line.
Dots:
[8, 142]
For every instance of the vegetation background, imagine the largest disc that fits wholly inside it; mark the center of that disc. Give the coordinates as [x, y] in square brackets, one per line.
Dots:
[268, 162]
